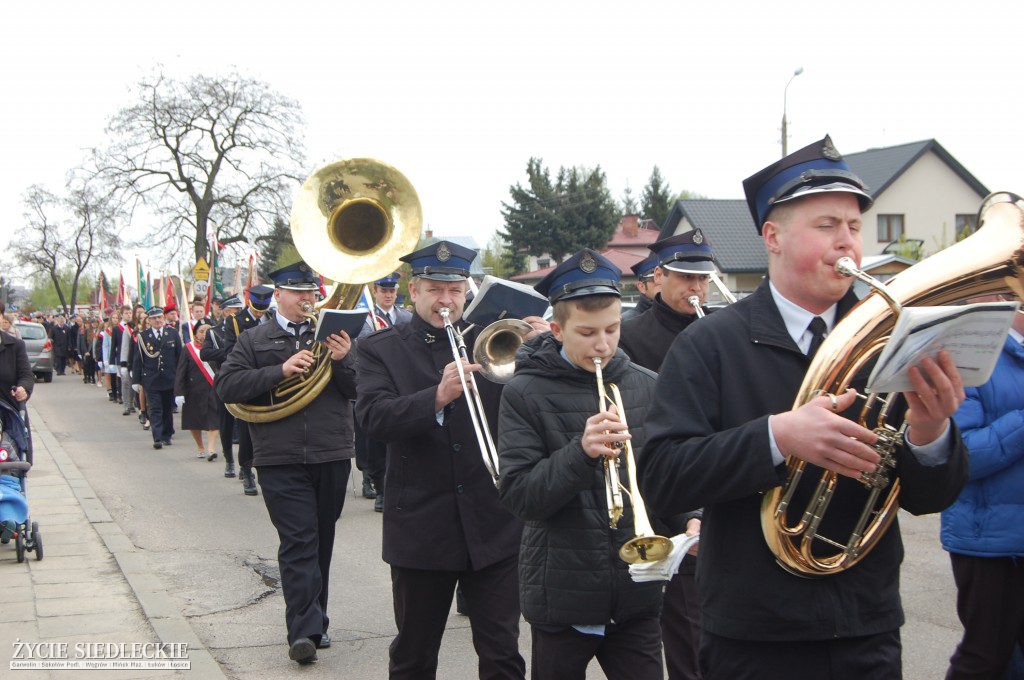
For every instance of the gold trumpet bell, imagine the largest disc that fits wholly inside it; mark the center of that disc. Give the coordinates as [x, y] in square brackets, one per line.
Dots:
[352, 219]
[645, 549]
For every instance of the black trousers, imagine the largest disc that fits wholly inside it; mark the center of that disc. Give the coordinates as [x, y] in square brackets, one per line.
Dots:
[423, 600]
[990, 604]
[245, 445]
[304, 503]
[680, 623]
[160, 408]
[627, 651]
[60, 364]
[227, 426]
[871, 656]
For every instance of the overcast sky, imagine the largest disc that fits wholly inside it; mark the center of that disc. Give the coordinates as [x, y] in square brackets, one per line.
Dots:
[459, 95]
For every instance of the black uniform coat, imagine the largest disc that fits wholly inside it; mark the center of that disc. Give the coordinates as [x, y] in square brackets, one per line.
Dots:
[570, 572]
[708, 445]
[200, 409]
[642, 306]
[215, 348]
[155, 363]
[646, 338]
[59, 338]
[441, 510]
[320, 432]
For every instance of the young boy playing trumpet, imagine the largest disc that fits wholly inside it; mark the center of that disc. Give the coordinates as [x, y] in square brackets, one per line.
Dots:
[554, 433]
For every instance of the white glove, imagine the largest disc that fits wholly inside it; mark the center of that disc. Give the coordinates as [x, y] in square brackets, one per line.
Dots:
[179, 401]
[135, 387]
[124, 372]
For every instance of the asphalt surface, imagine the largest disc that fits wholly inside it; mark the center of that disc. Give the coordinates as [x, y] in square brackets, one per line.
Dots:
[144, 545]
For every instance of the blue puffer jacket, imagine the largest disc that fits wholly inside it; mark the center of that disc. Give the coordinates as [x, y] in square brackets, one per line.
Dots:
[988, 518]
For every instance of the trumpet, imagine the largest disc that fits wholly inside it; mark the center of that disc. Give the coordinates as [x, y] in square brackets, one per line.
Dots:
[473, 401]
[645, 546]
[695, 303]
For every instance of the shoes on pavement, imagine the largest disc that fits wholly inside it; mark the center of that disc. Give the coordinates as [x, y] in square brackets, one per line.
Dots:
[229, 469]
[325, 641]
[378, 504]
[211, 456]
[200, 454]
[302, 651]
[249, 483]
[368, 490]
[126, 412]
[167, 442]
[158, 445]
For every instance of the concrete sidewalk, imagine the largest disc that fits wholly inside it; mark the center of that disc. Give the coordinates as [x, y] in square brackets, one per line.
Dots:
[91, 586]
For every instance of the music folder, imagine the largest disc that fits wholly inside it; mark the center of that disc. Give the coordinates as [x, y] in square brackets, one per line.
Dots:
[500, 299]
[331, 321]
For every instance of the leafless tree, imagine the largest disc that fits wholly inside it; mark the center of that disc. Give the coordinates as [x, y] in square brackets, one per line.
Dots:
[222, 150]
[66, 235]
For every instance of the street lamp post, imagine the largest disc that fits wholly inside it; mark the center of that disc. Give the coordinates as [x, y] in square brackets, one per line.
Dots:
[785, 132]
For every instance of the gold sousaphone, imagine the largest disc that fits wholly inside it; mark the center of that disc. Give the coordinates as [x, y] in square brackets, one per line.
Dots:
[989, 261]
[351, 221]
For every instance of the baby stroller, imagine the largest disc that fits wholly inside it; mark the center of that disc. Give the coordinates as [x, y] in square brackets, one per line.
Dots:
[15, 462]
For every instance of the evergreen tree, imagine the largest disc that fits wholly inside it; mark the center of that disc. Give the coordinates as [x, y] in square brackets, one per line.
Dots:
[629, 204]
[275, 248]
[656, 198]
[559, 218]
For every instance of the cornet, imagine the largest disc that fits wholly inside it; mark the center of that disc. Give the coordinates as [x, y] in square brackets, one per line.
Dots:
[645, 546]
[695, 303]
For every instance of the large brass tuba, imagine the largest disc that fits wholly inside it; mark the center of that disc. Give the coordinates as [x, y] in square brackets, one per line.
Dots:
[988, 262]
[351, 220]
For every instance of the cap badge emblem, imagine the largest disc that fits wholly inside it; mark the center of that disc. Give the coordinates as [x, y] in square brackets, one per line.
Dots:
[829, 151]
[698, 237]
[443, 254]
[587, 263]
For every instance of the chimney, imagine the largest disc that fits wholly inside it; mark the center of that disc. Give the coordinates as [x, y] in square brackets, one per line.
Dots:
[630, 225]
[429, 233]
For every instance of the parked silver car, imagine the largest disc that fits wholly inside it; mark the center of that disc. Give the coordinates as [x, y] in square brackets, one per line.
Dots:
[39, 347]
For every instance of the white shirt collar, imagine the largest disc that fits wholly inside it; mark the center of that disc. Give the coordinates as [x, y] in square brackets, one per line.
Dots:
[283, 322]
[797, 318]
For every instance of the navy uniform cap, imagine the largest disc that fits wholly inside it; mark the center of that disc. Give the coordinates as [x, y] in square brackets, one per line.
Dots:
[155, 311]
[644, 269]
[260, 297]
[687, 253]
[815, 169]
[441, 261]
[294, 276]
[586, 273]
[389, 281]
[233, 302]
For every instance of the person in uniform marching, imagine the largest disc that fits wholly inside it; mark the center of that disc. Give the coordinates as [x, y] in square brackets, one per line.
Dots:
[304, 459]
[443, 522]
[260, 298]
[575, 590]
[645, 285]
[154, 367]
[193, 390]
[214, 352]
[371, 455]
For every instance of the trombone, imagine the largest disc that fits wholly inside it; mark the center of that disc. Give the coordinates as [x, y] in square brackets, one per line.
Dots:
[645, 546]
[473, 401]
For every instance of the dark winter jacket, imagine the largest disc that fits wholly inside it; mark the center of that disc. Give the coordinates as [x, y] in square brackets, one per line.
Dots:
[708, 446]
[441, 510]
[646, 338]
[319, 433]
[15, 369]
[641, 306]
[988, 518]
[569, 569]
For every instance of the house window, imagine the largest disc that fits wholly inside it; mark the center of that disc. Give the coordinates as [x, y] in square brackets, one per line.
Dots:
[890, 228]
[966, 225]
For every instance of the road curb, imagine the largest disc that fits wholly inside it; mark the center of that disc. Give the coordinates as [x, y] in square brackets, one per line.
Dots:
[157, 605]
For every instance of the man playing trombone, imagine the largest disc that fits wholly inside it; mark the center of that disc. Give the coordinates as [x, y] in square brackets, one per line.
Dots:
[555, 433]
[443, 522]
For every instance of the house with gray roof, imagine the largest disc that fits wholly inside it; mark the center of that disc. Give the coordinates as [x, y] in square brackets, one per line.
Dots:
[920, 191]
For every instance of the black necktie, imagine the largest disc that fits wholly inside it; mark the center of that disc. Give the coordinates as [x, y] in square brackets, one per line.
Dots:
[817, 329]
[296, 328]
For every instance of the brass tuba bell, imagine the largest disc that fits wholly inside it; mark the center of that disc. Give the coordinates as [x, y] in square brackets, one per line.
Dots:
[989, 261]
[351, 220]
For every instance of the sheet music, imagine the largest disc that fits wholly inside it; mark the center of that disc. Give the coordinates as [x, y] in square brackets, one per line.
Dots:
[972, 334]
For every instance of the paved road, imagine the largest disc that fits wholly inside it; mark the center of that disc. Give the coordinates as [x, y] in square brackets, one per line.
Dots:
[209, 553]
